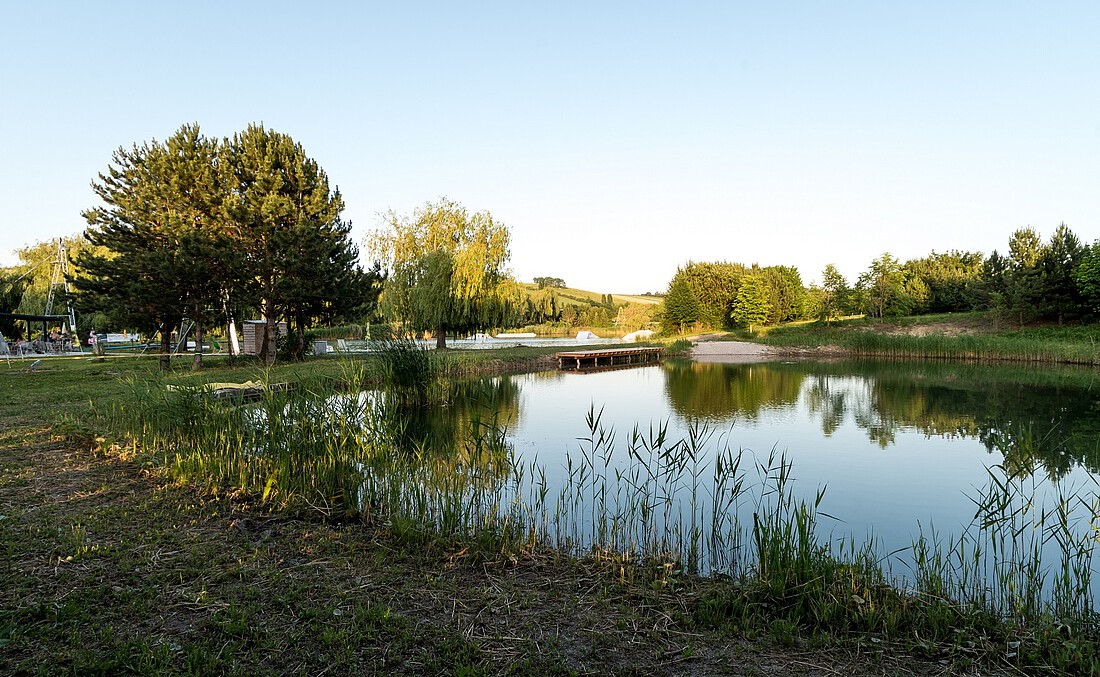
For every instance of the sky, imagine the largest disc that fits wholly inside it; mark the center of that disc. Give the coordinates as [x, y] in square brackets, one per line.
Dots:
[617, 141]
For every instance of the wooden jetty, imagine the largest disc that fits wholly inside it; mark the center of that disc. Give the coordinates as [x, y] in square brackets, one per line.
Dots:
[591, 359]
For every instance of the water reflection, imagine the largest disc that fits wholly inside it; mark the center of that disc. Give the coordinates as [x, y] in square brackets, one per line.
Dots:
[1040, 420]
[899, 446]
[721, 392]
[467, 405]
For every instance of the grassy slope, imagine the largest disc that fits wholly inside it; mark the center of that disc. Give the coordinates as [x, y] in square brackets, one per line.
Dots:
[580, 296]
[973, 336]
[111, 569]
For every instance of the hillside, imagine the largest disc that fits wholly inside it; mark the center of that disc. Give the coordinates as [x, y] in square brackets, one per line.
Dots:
[582, 296]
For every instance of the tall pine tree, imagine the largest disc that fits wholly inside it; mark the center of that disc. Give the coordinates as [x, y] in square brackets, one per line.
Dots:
[288, 220]
[160, 224]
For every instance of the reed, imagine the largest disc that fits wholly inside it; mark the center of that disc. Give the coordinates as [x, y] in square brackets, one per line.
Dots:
[1019, 577]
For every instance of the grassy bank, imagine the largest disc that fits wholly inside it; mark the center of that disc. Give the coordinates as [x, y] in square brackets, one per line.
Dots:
[209, 556]
[958, 336]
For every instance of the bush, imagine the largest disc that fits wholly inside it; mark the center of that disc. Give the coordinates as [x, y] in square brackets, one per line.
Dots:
[285, 346]
[354, 332]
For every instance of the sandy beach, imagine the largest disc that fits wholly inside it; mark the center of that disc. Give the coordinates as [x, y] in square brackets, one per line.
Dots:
[730, 351]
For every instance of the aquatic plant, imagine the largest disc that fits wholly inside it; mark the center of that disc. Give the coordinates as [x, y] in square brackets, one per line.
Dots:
[1022, 572]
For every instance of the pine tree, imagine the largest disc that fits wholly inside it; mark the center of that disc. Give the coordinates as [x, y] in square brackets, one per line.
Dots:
[287, 223]
[681, 307]
[1060, 297]
[1023, 286]
[157, 237]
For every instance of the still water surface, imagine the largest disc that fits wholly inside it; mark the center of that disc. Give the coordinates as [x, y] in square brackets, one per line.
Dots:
[897, 446]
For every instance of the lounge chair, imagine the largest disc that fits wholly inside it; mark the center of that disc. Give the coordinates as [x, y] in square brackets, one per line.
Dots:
[33, 366]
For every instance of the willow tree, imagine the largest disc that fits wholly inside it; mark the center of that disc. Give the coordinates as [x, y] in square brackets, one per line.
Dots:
[446, 269]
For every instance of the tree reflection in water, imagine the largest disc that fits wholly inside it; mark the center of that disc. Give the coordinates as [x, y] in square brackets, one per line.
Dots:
[1037, 417]
[447, 434]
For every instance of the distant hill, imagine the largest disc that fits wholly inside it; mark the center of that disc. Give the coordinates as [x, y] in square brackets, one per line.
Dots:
[582, 296]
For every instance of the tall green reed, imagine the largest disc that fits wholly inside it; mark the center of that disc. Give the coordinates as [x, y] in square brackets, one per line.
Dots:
[694, 503]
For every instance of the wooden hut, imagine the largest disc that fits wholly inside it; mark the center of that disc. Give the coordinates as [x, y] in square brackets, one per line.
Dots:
[252, 338]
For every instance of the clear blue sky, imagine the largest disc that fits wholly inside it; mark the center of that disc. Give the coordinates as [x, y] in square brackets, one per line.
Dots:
[616, 140]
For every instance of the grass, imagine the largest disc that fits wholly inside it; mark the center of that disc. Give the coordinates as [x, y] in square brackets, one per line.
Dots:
[582, 297]
[216, 543]
[966, 336]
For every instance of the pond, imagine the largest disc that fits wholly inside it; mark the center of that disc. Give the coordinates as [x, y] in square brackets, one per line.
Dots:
[897, 447]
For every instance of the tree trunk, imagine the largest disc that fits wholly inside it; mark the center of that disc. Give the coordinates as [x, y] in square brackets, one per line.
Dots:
[268, 348]
[196, 362]
[166, 348]
[299, 325]
[441, 338]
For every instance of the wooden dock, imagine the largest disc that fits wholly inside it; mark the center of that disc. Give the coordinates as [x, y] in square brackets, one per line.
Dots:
[592, 359]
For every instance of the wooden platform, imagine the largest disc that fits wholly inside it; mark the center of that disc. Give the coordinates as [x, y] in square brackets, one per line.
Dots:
[591, 359]
[250, 393]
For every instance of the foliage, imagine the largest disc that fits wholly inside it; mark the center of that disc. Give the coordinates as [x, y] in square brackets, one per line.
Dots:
[1061, 299]
[160, 238]
[680, 308]
[406, 368]
[290, 346]
[752, 305]
[552, 282]
[1075, 345]
[11, 295]
[192, 228]
[286, 219]
[946, 279]
[834, 293]
[1023, 288]
[1087, 277]
[447, 269]
[634, 316]
[883, 287]
[714, 286]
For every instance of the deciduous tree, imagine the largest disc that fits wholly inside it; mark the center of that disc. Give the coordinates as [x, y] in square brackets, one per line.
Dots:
[447, 269]
[752, 304]
[883, 286]
[834, 293]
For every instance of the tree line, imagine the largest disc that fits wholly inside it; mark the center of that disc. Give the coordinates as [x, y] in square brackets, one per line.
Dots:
[723, 295]
[1055, 280]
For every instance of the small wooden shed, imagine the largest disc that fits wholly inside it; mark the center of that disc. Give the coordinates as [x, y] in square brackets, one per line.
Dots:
[252, 338]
